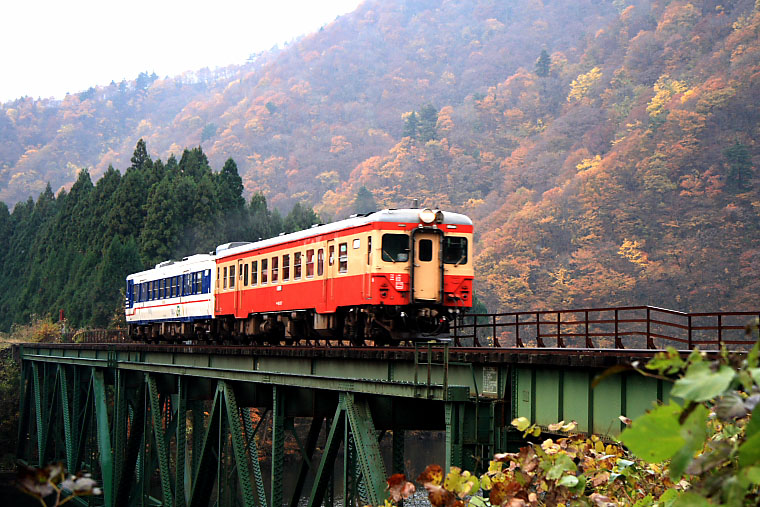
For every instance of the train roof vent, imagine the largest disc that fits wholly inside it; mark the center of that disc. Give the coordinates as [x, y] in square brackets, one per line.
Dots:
[316, 225]
[165, 263]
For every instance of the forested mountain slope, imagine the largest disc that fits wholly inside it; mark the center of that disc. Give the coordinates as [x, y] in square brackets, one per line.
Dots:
[606, 149]
[311, 112]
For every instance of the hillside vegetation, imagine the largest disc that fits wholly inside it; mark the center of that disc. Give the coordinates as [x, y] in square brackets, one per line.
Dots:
[73, 251]
[607, 150]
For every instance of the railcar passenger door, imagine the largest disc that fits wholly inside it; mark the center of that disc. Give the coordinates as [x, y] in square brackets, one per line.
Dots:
[331, 271]
[242, 283]
[426, 270]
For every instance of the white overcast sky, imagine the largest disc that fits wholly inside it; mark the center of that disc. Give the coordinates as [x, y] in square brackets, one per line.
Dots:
[50, 47]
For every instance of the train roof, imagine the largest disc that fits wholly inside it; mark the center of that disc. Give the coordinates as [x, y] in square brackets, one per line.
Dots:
[386, 215]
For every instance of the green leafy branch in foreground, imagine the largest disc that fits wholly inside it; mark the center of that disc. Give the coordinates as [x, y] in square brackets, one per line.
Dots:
[713, 439]
[703, 451]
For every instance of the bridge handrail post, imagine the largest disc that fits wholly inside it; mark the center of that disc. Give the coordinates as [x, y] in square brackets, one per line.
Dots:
[560, 341]
[618, 341]
[495, 338]
[589, 343]
[518, 341]
[720, 330]
[688, 320]
[539, 341]
[650, 343]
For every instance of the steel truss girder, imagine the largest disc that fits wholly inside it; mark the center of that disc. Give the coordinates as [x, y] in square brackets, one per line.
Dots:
[128, 431]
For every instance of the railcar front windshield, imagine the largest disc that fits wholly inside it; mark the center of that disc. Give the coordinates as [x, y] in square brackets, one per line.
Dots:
[455, 250]
[395, 247]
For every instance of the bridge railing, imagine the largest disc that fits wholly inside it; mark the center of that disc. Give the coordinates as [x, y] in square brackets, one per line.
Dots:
[116, 335]
[627, 327]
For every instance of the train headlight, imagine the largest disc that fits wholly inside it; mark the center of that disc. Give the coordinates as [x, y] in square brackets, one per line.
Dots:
[427, 216]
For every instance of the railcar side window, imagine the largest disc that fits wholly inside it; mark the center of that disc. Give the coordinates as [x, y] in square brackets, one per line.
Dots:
[395, 247]
[309, 263]
[255, 273]
[264, 274]
[285, 267]
[198, 282]
[275, 269]
[297, 266]
[188, 284]
[232, 277]
[331, 256]
[320, 262]
[369, 250]
[343, 258]
[245, 275]
[455, 250]
[143, 291]
[155, 288]
[150, 290]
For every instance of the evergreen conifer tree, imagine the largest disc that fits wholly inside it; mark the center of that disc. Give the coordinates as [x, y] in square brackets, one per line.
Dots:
[543, 64]
[365, 201]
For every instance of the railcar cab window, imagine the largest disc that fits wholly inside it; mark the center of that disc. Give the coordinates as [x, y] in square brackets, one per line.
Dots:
[395, 247]
[199, 282]
[309, 263]
[343, 258]
[455, 250]
[275, 269]
[331, 256]
[286, 267]
[297, 266]
[224, 278]
[264, 274]
[255, 273]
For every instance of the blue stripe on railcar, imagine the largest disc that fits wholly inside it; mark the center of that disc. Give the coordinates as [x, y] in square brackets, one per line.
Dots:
[175, 319]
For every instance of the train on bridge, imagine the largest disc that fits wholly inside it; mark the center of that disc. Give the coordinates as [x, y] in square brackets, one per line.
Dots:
[387, 276]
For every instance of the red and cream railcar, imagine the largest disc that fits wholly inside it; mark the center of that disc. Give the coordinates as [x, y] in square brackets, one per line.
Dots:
[385, 276]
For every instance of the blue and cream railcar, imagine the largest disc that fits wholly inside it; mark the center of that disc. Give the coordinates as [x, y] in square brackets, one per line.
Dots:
[173, 301]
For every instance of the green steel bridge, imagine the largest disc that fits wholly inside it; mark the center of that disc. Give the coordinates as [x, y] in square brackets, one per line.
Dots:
[180, 424]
